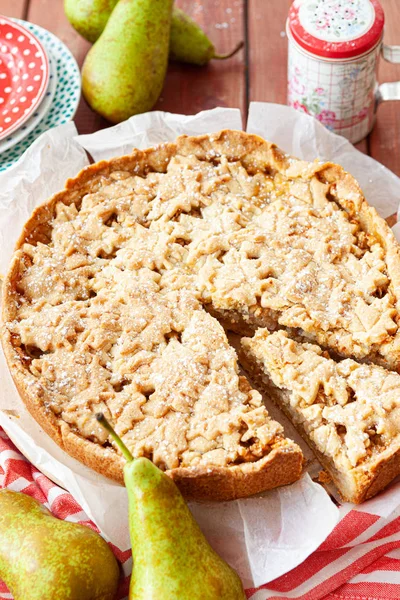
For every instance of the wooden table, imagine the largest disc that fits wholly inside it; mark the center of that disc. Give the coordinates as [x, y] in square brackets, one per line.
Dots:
[257, 73]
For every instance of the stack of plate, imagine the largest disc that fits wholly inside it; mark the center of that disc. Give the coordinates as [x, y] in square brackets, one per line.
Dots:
[39, 86]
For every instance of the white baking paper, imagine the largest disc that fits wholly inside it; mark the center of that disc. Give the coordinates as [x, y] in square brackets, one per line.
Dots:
[149, 129]
[262, 537]
[41, 172]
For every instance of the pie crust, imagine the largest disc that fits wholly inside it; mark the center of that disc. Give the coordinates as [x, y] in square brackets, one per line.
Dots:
[113, 295]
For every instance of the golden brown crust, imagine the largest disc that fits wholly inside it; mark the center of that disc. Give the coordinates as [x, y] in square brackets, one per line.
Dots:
[284, 464]
[383, 473]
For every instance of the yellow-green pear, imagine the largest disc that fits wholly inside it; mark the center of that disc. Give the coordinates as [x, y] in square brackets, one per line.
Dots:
[124, 71]
[89, 17]
[190, 44]
[188, 41]
[172, 560]
[44, 558]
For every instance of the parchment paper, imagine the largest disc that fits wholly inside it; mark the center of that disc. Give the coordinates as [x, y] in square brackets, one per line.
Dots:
[262, 537]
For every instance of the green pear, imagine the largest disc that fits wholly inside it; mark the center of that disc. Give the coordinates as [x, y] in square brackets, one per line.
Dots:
[124, 71]
[190, 44]
[44, 558]
[188, 41]
[172, 560]
[89, 17]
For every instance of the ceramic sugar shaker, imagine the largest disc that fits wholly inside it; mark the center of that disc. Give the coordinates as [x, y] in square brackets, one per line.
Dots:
[334, 52]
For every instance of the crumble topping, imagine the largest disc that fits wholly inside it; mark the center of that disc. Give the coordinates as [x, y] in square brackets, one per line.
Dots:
[157, 365]
[351, 411]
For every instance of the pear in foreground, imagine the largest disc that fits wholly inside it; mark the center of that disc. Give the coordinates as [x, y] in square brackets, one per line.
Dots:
[172, 560]
[123, 73]
[44, 558]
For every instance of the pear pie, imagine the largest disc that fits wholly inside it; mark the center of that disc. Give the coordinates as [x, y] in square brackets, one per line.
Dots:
[117, 285]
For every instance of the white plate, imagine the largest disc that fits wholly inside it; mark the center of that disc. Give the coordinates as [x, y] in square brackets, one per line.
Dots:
[38, 115]
[66, 98]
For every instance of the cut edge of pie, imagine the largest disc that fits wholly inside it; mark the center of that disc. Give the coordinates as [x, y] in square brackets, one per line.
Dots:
[347, 412]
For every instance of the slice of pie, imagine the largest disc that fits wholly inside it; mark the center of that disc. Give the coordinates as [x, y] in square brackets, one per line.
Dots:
[348, 412]
[106, 298]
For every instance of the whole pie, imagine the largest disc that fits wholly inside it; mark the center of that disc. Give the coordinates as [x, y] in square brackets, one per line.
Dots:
[117, 285]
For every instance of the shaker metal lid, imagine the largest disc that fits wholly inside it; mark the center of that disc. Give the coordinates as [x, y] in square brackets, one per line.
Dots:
[336, 28]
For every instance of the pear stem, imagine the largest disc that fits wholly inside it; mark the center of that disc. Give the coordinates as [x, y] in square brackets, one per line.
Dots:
[231, 53]
[104, 423]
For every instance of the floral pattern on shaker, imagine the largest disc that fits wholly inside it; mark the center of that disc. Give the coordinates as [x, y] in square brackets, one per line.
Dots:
[336, 20]
[339, 96]
[327, 118]
[314, 104]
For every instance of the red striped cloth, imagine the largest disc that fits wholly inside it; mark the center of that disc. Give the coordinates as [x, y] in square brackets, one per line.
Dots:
[360, 560]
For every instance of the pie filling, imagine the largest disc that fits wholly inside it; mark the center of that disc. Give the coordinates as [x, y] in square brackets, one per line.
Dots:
[349, 412]
[108, 307]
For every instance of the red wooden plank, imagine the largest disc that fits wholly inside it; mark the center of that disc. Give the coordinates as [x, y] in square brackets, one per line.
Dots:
[363, 146]
[267, 50]
[385, 138]
[190, 89]
[13, 8]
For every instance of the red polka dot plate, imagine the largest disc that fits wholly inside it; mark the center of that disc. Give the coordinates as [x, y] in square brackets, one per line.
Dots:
[24, 75]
